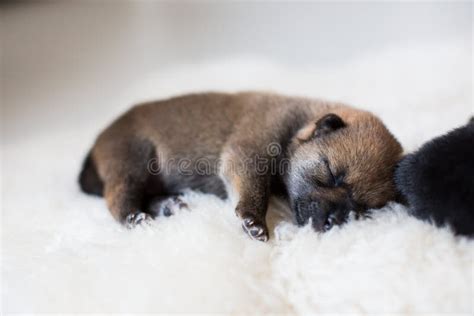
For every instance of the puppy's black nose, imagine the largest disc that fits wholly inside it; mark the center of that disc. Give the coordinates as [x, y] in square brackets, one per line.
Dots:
[324, 215]
[325, 220]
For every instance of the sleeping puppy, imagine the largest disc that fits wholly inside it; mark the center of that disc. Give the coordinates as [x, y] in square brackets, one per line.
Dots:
[327, 159]
[438, 180]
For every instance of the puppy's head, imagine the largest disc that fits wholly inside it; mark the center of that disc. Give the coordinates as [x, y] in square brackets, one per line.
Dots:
[341, 162]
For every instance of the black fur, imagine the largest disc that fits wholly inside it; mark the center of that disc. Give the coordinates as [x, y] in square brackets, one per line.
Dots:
[438, 180]
[89, 180]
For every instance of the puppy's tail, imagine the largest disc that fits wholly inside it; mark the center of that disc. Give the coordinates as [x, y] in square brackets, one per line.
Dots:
[89, 180]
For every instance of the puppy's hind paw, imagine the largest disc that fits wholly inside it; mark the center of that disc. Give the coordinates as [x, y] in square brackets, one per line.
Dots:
[255, 229]
[137, 218]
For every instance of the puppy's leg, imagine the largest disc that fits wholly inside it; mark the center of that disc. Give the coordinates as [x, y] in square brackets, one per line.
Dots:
[122, 165]
[251, 190]
[252, 207]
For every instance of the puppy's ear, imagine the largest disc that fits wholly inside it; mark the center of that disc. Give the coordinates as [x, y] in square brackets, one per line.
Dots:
[327, 124]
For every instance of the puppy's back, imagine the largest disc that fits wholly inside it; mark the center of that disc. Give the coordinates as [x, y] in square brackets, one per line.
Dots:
[438, 180]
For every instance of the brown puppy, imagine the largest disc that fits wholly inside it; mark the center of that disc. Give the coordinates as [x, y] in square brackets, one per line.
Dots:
[326, 158]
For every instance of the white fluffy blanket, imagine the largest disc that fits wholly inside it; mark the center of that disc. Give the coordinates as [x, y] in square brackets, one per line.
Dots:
[62, 251]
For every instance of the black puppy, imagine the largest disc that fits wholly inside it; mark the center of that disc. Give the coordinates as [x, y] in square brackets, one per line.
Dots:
[438, 180]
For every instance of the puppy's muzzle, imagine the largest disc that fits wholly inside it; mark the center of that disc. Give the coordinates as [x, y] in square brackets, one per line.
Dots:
[323, 215]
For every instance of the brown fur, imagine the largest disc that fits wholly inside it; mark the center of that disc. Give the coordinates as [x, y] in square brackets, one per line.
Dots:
[227, 131]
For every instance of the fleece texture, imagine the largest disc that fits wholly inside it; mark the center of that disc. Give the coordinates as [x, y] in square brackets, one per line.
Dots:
[63, 252]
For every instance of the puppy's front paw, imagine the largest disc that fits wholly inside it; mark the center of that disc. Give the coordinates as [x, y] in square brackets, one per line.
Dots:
[137, 218]
[255, 228]
[166, 207]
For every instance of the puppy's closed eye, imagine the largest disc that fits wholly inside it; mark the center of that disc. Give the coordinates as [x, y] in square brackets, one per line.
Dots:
[327, 177]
